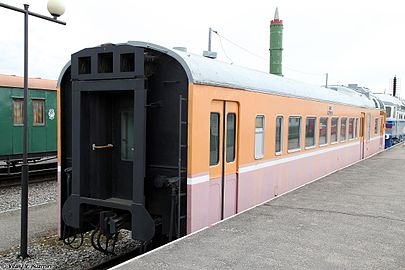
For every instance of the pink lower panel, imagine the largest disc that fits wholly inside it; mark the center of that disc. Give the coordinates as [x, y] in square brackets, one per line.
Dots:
[258, 186]
[204, 202]
[254, 186]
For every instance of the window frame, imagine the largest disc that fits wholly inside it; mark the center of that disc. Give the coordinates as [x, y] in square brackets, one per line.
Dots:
[257, 157]
[315, 132]
[340, 137]
[219, 139]
[20, 99]
[281, 135]
[376, 120]
[353, 130]
[327, 131]
[43, 100]
[337, 130]
[357, 128]
[299, 134]
[234, 138]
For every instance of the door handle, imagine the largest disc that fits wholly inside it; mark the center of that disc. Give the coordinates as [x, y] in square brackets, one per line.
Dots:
[94, 146]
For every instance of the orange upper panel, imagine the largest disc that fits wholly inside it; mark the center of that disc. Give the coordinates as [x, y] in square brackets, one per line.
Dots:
[33, 83]
[253, 104]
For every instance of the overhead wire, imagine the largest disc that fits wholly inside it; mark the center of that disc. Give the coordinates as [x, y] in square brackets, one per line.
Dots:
[257, 56]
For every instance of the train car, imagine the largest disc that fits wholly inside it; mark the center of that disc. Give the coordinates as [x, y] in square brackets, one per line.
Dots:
[395, 125]
[164, 142]
[42, 110]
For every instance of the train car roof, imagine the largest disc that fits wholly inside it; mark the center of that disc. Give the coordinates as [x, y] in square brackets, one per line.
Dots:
[33, 83]
[390, 100]
[207, 71]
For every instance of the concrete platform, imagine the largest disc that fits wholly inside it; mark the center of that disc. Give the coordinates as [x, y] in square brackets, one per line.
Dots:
[41, 219]
[352, 219]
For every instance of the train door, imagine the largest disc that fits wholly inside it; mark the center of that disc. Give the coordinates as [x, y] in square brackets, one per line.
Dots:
[123, 150]
[223, 160]
[362, 135]
[110, 155]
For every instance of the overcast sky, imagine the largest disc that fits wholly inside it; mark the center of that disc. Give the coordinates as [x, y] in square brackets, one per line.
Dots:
[354, 41]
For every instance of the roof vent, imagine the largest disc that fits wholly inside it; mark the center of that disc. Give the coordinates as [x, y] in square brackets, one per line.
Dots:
[183, 49]
[210, 54]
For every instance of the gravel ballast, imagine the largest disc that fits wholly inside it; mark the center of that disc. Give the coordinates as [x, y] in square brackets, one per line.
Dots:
[38, 193]
[49, 252]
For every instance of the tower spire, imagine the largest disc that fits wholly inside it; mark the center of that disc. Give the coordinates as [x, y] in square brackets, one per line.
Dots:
[276, 44]
[276, 17]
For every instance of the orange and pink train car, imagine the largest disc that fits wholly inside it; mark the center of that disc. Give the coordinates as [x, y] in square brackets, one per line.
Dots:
[251, 135]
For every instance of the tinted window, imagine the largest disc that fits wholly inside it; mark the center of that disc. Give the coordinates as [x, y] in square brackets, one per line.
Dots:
[310, 131]
[343, 124]
[230, 137]
[376, 126]
[351, 128]
[127, 138]
[214, 139]
[323, 130]
[388, 109]
[294, 132]
[279, 132]
[333, 129]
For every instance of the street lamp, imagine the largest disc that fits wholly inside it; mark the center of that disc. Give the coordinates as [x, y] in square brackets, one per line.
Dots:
[56, 8]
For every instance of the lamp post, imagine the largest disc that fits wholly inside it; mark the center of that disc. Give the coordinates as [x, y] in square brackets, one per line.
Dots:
[56, 9]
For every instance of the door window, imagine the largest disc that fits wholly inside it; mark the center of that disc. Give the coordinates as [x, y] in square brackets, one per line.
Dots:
[127, 138]
[230, 137]
[214, 139]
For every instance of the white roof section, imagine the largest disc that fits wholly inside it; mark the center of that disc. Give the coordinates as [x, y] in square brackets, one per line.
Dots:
[389, 99]
[207, 71]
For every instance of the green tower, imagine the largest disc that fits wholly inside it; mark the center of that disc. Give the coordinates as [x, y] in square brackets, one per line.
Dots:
[276, 45]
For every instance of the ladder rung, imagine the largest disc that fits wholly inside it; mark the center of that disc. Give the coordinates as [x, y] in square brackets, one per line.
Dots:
[183, 122]
[183, 217]
[183, 145]
[183, 99]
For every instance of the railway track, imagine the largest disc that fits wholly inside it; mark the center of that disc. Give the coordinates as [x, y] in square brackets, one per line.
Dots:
[38, 172]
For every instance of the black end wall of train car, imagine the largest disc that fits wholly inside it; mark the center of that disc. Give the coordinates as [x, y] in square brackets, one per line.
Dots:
[165, 86]
[164, 81]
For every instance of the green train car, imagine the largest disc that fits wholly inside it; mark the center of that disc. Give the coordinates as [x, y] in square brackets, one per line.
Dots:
[42, 118]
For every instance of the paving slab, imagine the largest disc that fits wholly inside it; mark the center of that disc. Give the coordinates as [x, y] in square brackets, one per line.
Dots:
[351, 219]
[41, 220]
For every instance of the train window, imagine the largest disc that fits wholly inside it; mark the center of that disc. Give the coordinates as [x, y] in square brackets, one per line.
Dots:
[279, 134]
[38, 112]
[294, 133]
[375, 126]
[230, 137]
[323, 131]
[214, 139]
[334, 130]
[18, 111]
[127, 62]
[343, 123]
[84, 65]
[105, 62]
[310, 123]
[259, 137]
[368, 126]
[127, 138]
[351, 128]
